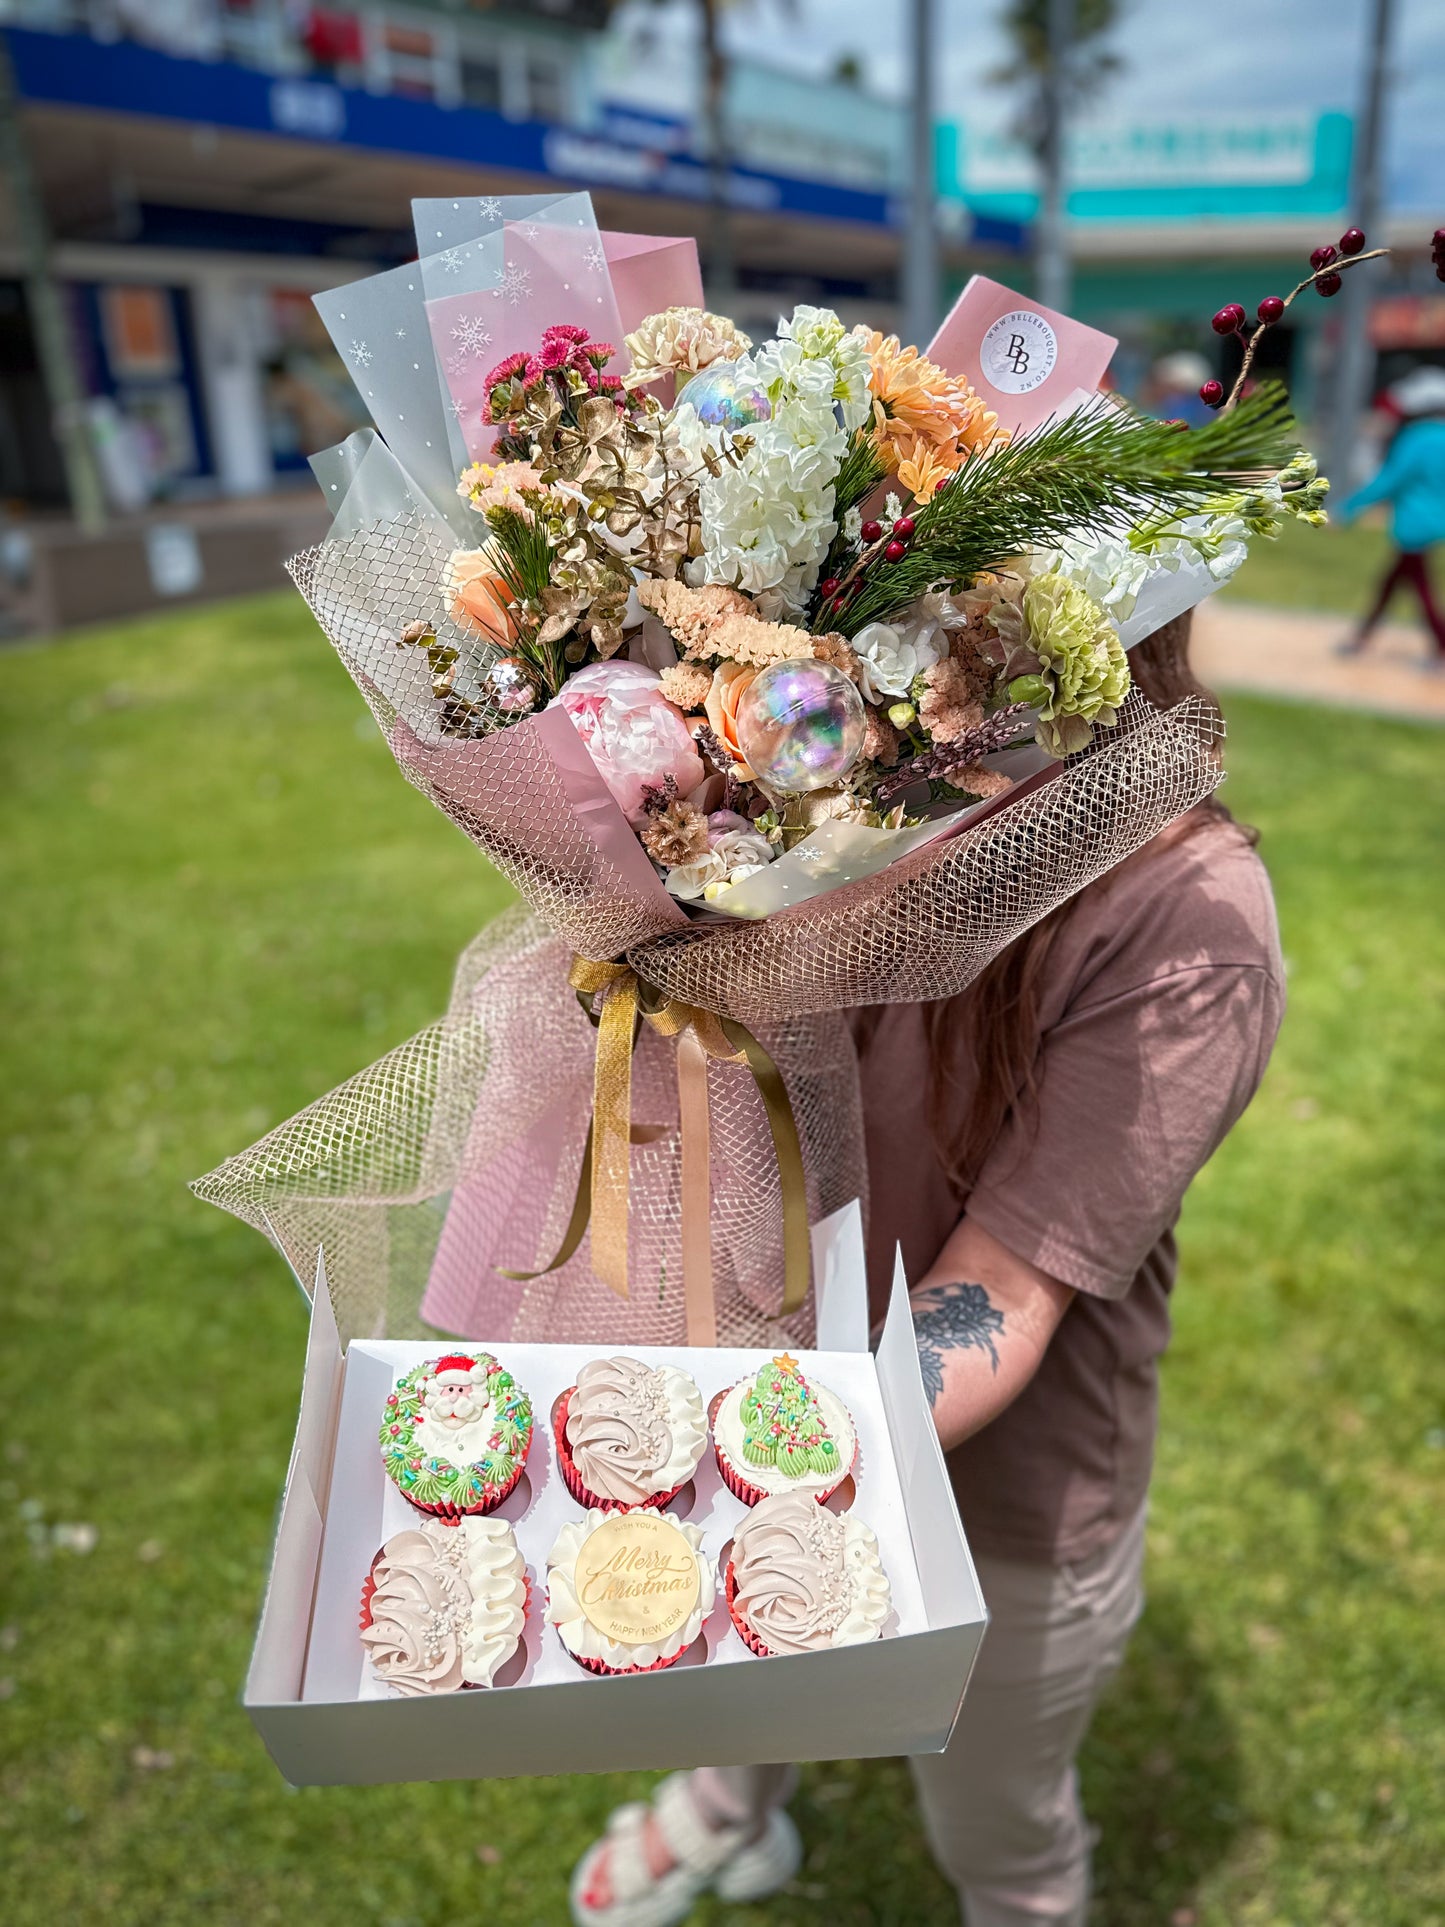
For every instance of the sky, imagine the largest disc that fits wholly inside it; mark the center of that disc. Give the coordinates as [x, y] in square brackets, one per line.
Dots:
[1178, 57]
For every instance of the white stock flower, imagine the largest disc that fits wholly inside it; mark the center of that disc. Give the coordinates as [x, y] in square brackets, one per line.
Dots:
[891, 654]
[767, 518]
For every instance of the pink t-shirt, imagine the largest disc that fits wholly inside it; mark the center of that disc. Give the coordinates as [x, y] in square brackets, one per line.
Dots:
[1161, 998]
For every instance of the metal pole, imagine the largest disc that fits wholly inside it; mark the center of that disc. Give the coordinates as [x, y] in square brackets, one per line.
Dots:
[1051, 232]
[1354, 360]
[920, 241]
[48, 318]
[720, 266]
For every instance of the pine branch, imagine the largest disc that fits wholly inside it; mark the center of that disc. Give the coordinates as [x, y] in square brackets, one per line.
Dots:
[860, 473]
[524, 558]
[1101, 469]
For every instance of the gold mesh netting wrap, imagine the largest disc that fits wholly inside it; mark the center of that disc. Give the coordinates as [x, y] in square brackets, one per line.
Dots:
[458, 1152]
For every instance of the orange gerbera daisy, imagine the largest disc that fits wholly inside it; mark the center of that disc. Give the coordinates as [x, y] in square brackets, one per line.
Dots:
[925, 422]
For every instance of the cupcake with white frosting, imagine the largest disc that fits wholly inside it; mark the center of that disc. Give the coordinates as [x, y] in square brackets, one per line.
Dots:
[802, 1579]
[629, 1434]
[628, 1591]
[780, 1431]
[444, 1605]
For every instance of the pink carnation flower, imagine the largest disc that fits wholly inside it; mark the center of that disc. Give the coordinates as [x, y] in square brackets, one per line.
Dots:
[634, 735]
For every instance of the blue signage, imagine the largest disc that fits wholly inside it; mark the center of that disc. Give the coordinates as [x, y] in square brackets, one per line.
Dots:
[73, 70]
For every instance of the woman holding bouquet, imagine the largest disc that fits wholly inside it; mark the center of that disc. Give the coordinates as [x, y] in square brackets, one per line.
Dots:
[1072, 1093]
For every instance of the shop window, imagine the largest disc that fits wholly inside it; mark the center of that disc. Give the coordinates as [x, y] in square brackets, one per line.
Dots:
[410, 62]
[481, 80]
[546, 91]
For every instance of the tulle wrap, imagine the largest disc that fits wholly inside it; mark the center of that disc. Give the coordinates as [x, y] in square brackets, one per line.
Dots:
[454, 1159]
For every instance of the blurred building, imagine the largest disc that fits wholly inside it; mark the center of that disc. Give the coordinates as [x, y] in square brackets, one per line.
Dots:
[204, 166]
[1173, 215]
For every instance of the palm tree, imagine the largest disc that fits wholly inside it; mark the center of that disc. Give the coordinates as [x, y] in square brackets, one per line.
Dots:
[1057, 59]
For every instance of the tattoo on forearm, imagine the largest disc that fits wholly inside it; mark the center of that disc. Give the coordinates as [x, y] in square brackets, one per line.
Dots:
[956, 1318]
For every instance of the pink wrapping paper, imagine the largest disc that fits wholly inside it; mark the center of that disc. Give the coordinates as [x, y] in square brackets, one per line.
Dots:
[1026, 360]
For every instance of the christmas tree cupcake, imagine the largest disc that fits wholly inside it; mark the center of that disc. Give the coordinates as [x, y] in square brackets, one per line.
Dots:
[801, 1579]
[779, 1432]
[455, 1434]
[628, 1591]
[444, 1605]
[629, 1434]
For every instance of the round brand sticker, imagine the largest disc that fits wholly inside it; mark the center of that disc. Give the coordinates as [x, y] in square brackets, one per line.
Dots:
[1019, 351]
[637, 1578]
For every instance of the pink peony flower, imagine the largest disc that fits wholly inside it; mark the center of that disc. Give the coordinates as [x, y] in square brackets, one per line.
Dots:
[634, 735]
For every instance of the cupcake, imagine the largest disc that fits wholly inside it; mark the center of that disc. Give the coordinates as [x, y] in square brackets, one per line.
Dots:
[628, 1591]
[629, 1434]
[802, 1579]
[455, 1434]
[778, 1432]
[443, 1605]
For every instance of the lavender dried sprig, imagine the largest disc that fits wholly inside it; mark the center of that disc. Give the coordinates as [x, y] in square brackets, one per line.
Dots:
[995, 732]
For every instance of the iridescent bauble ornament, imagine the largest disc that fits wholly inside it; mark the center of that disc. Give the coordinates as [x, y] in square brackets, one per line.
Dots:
[800, 725]
[510, 685]
[723, 400]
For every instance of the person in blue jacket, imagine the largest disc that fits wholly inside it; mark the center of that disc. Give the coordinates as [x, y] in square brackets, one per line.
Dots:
[1412, 480]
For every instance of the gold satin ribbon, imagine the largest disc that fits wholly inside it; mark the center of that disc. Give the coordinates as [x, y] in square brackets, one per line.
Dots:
[603, 1184]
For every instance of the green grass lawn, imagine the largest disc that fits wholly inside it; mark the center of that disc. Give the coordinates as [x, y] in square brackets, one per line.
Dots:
[1334, 568]
[220, 899]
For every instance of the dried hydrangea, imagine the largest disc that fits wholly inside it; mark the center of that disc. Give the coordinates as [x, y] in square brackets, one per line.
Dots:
[949, 705]
[840, 653]
[691, 616]
[686, 684]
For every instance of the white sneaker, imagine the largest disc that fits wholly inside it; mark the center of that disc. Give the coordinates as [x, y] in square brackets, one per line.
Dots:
[723, 1859]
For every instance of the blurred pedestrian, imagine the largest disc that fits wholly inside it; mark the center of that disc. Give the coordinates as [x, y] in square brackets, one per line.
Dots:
[1412, 480]
[1174, 384]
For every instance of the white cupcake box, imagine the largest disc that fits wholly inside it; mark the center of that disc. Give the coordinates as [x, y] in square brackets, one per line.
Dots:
[327, 1720]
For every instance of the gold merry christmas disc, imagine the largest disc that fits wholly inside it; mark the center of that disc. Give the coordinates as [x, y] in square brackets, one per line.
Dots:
[637, 1578]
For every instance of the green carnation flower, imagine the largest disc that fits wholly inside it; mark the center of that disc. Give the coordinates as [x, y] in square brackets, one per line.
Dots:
[1082, 657]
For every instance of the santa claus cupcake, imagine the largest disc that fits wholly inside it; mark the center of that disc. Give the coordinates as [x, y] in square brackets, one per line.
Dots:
[628, 1591]
[779, 1431]
[444, 1605]
[629, 1434]
[801, 1579]
[455, 1434]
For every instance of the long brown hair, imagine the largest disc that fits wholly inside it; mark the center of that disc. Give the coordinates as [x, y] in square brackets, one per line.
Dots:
[989, 1034]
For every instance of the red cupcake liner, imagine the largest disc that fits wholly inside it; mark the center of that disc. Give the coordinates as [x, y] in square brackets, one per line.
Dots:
[572, 1478]
[620, 1672]
[443, 1509]
[745, 1631]
[751, 1494]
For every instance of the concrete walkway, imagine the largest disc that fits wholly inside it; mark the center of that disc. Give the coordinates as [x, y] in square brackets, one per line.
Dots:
[1285, 652]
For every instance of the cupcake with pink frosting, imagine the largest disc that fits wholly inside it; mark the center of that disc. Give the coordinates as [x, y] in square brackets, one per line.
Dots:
[629, 1434]
[802, 1579]
[443, 1605]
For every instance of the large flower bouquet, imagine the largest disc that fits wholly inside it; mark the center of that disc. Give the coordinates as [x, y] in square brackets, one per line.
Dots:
[818, 585]
[778, 679]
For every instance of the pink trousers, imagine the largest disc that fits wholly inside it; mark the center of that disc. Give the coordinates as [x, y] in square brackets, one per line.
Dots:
[1001, 1807]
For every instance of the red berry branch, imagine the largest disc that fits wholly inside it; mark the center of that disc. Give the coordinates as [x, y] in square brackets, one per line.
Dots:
[1325, 277]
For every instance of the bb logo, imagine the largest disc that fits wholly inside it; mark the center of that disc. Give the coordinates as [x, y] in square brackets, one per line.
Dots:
[1018, 352]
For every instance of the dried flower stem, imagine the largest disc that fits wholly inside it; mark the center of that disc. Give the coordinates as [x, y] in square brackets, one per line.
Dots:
[1337, 266]
[995, 732]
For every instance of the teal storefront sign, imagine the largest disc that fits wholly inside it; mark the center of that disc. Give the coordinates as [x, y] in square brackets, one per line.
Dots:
[1182, 169]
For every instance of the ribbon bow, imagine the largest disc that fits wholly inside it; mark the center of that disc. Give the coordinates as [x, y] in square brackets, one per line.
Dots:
[615, 997]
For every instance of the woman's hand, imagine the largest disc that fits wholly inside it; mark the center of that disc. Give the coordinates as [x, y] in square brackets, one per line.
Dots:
[983, 1319]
